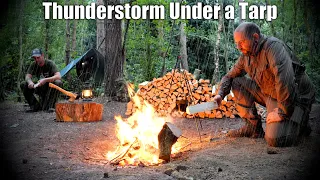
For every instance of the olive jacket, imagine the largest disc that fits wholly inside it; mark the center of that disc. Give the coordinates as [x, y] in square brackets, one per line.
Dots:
[277, 72]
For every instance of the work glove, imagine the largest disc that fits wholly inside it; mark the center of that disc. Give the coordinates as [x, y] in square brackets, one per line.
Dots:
[274, 116]
[217, 98]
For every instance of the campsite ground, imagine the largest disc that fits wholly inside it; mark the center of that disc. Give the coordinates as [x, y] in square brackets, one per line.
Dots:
[35, 146]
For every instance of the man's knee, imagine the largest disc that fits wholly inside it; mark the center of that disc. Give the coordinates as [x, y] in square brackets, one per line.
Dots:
[247, 112]
[23, 85]
[281, 134]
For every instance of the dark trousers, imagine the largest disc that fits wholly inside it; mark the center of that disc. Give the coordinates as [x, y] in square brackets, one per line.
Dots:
[41, 98]
[283, 133]
[247, 92]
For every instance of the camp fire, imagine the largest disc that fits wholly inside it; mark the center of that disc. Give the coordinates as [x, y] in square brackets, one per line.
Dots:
[138, 136]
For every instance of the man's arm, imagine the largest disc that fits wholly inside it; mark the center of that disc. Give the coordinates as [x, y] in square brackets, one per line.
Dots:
[56, 76]
[281, 66]
[226, 82]
[28, 79]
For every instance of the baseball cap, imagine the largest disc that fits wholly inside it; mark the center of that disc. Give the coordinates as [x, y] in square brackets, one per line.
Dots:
[36, 52]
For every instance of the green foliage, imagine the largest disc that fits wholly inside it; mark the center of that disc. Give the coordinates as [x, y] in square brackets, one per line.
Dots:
[33, 36]
[146, 41]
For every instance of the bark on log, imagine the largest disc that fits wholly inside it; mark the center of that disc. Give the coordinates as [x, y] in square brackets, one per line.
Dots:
[78, 111]
[166, 138]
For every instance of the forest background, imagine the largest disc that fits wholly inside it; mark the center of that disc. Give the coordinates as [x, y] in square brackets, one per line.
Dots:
[148, 48]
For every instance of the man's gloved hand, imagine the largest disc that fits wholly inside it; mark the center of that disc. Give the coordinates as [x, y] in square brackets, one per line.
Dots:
[218, 99]
[274, 116]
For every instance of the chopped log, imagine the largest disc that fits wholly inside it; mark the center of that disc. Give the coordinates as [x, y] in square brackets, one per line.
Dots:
[168, 135]
[227, 113]
[196, 95]
[218, 114]
[212, 115]
[78, 111]
[201, 114]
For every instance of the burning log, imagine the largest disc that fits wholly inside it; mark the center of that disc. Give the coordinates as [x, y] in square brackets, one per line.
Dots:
[167, 137]
[117, 159]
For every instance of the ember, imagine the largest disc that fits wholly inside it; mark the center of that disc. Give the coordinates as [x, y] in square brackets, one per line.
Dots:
[138, 136]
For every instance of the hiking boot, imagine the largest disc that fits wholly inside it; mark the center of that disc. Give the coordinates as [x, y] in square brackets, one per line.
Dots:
[252, 130]
[305, 130]
[50, 110]
[34, 108]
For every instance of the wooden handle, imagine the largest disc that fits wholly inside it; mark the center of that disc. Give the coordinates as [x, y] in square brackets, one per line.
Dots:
[70, 94]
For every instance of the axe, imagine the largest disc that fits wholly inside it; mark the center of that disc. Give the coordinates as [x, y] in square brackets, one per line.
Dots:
[68, 93]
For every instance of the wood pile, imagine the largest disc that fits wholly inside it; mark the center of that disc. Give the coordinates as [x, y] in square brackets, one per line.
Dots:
[169, 95]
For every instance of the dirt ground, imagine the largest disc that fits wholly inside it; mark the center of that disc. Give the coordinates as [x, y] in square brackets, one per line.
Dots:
[35, 146]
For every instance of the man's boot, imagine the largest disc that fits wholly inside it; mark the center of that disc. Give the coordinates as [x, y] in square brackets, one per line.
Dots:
[252, 128]
[305, 130]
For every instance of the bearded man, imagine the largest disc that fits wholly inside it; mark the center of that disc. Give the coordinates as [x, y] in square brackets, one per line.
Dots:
[268, 73]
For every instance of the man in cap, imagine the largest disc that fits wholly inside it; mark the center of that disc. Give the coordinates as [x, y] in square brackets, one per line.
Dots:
[268, 73]
[45, 71]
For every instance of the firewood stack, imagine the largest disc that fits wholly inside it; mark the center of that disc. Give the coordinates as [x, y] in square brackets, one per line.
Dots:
[169, 95]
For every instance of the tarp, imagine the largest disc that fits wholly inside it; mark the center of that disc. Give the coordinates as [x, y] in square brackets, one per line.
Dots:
[65, 70]
[89, 65]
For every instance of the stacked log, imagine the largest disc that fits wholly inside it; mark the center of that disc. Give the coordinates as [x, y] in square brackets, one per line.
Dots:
[170, 94]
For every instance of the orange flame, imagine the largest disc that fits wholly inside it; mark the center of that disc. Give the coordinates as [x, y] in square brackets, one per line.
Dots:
[138, 134]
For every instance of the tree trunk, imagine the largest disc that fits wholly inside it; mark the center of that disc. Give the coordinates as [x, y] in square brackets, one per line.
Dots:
[46, 37]
[294, 25]
[162, 53]
[183, 47]
[101, 33]
[114, 53]
[20, 50]
[149, 61]
[271, 24]
[282, 20]
[309, 31]
[240, 15]
[215, 77]
[74, 38]
[226, 41]
[148, 67]
[67, 50]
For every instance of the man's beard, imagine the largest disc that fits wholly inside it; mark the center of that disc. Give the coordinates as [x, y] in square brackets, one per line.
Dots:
[251, 49]
[246, 53]
[40, 64]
